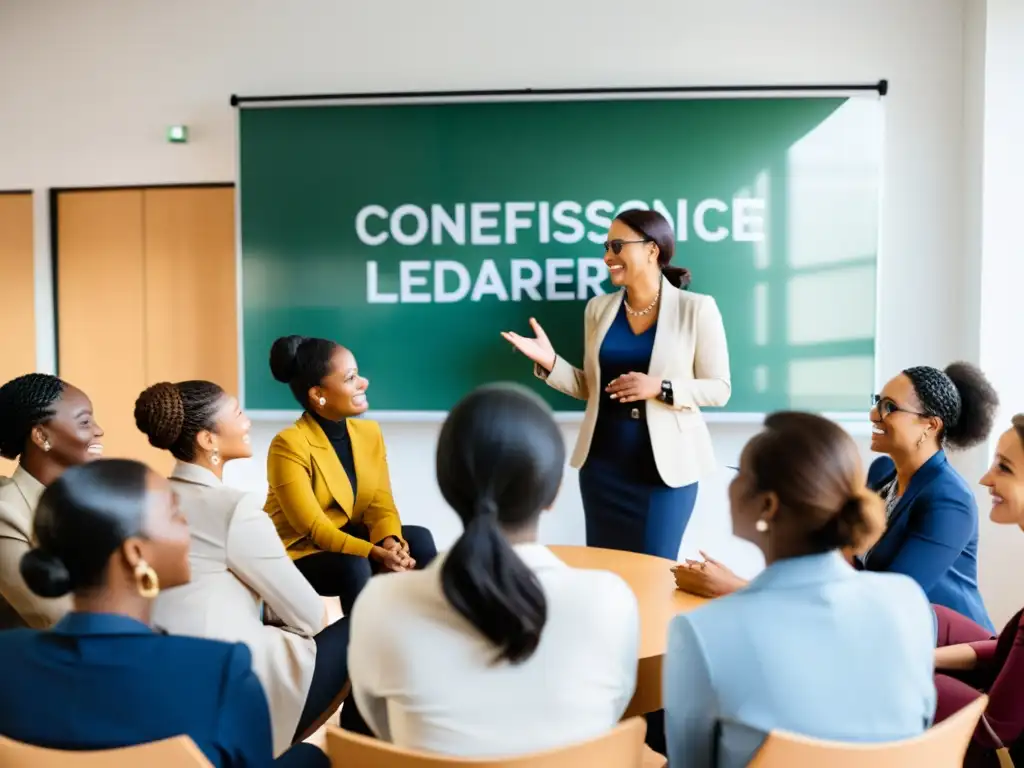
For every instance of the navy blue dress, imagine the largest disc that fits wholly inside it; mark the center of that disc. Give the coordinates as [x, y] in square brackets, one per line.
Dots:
[626, 503]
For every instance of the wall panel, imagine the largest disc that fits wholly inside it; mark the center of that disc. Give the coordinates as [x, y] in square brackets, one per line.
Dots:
[100, 309]
[146, 287]
[17, 291]
[190, 278]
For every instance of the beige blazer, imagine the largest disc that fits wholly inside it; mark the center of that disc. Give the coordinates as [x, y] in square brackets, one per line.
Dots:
[690, 350]
[19, 605]
[238, 563]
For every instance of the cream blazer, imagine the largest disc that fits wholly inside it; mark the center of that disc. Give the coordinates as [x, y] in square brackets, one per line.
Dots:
[238, 563]
[690, 350]
[19, 605]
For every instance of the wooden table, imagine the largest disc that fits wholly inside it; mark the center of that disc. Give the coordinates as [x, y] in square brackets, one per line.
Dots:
[652, 582]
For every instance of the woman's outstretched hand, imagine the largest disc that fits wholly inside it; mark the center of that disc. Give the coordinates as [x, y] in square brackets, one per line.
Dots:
[537, 349]
[706, 578]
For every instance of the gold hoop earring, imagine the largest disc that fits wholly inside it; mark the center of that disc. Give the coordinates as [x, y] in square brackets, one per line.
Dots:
[146, 580]
[215, 458]
[920, 440]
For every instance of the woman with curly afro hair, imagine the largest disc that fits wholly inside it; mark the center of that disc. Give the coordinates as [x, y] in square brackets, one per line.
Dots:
[931, 529]
[46, 425]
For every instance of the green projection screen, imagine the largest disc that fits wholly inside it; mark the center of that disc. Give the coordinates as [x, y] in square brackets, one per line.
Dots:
[414, 233]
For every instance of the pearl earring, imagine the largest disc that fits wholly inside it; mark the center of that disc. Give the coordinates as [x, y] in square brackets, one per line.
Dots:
[46, 446]
[761, 526]
[323, 401]
[215, 458]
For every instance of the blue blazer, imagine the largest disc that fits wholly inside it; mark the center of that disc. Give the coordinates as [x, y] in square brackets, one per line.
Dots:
[98, 681]
[810, 646]
[932, 536]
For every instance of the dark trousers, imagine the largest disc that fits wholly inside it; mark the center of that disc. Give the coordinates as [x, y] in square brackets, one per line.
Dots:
[329, 678]
[303, 756]
[333, 574]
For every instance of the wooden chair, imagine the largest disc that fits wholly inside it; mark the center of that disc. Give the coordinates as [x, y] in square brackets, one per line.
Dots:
[621, 747]
[179, 752]
[942, 746]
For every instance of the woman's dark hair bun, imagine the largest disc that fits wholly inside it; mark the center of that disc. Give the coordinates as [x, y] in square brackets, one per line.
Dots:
[677, 276]
[283, 354]
[857, 525]
[160, 414]
[45, 574]
[979, 402]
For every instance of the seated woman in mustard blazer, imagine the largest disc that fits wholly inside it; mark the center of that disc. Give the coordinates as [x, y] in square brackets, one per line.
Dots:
[244, 586]
[654, 355]
[330, 490]
[48, 425]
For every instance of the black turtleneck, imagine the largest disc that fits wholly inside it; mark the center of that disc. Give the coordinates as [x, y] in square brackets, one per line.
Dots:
[337, 433]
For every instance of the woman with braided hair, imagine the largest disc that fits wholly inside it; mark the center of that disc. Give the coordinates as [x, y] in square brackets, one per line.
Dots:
[931, 514]
[47, 425]
[244, 586]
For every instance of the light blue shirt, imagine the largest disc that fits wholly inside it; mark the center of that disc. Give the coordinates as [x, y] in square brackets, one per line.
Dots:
[811, 646]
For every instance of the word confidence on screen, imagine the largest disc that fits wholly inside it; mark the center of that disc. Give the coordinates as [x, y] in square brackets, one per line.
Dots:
[564, 222]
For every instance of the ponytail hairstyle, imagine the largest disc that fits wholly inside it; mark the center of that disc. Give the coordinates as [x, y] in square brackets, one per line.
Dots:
[812, 465]
[82, 519]
[654, 228]
[500, 458]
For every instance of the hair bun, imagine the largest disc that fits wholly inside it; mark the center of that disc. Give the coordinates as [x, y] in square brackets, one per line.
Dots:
[677, 276]
[855, 525]
[283, 354]
[978, 405]
[45, 574]
[160, 414]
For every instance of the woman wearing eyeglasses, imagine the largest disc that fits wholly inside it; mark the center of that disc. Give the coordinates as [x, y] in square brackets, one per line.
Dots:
[931, 514]
[654, 355]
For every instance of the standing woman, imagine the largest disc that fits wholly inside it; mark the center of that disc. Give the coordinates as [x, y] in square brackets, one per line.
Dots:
[330, 489]
[654, 355]
[47, 425]
[241, 574]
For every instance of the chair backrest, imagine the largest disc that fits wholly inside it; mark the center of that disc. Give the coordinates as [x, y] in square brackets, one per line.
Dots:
[942, 746]
[179, 752]
[621, 747]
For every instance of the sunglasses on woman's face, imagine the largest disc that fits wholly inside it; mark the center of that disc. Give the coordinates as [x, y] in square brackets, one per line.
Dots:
[616, 246]
[887, 407]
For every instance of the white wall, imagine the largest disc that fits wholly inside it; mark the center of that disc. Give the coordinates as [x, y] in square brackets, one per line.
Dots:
[1001, 261]
[89, 86]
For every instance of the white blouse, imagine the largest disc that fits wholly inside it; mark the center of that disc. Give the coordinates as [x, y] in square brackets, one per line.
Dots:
[424, 678]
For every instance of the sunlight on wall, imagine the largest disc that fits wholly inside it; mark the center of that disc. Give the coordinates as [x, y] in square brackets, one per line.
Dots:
[829, 306]
[818, 384]
[833, 196]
